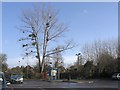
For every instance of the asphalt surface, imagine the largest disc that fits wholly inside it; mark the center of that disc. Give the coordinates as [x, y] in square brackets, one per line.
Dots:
[55, 85]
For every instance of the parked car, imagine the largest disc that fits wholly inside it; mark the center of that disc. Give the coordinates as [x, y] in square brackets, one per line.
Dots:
[116, 76]
[3, 82]
[17, 79]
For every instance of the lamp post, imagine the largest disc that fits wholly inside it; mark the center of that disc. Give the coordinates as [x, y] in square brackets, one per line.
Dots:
[79, 59]
[19, 67]
[19, 63]
[26, 66]
[50, 68]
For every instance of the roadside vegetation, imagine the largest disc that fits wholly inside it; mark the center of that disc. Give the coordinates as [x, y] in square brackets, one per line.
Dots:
[99, 60]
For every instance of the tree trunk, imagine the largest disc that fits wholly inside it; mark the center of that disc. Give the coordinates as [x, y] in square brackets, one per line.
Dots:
[44, 47]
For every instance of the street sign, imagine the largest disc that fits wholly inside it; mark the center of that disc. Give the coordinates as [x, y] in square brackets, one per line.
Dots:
[53, 72]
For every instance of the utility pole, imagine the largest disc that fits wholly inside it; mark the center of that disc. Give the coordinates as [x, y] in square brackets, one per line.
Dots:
[79, 59]
[19, 67]
[19, 63]
[27, 61]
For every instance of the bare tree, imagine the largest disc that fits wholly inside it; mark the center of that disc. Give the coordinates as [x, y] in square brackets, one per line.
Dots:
[57, 58]
[3, 64]
[104, 54]
[92, 51]
[40, 27]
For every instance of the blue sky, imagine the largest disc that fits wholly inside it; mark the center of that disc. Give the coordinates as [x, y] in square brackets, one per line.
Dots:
[87, 22]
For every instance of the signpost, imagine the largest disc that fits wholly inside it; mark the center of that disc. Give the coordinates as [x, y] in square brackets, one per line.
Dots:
[53, 73]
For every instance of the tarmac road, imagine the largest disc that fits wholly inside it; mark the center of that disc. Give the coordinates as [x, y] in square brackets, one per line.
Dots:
[55, 85]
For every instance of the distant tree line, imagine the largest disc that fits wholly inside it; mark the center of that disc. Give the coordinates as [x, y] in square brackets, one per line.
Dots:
[99, 60]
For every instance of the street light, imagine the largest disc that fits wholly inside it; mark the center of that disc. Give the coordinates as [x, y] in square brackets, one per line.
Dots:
[79, 58]
[78, 54]
[19, 67]
[26, 58]
[19, 63]
[50, 68]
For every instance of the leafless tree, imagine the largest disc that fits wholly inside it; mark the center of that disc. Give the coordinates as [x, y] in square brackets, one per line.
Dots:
[57, 58]
[3, 64]
[92, 51]
[104, 54]
[40, 27]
